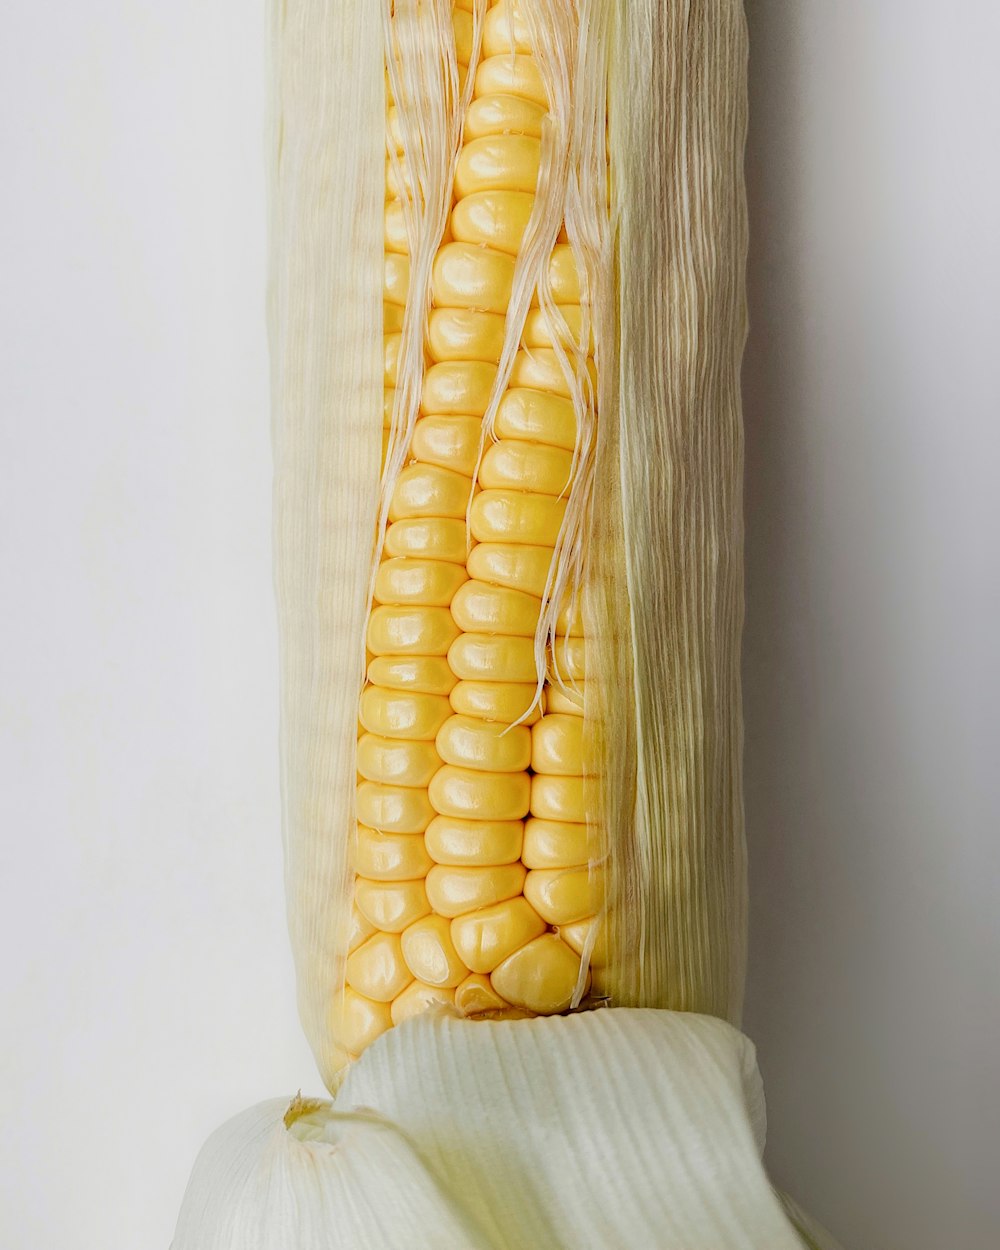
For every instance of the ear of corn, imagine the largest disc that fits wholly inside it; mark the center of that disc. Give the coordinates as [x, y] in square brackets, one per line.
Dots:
[511, 707]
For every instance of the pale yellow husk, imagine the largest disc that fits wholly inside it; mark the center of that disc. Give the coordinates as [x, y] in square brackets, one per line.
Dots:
[613, 1128]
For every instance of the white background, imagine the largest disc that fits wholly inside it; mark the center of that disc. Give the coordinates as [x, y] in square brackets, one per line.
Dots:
[146, 990]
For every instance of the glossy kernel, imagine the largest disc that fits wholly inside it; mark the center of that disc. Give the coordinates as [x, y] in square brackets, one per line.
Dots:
[558, 798]
[494, 219]
[451, 442]
[557, 745]
[467, 275]
[485, 657]
[479, 608]
[504, 701]
[391, 905]
[558, 844]
[538, 417]
[402, 714]
[389, 856]
[522, 567]
[473, 843]
[424, 674]
[564, 895]
[475, 995]
[393, 809]
[510, 516]
[427, 490]
[430, 953]
[418, 998]
[455, 891]
[358, 1021]
[485, 938]
[512, 464]
[540, 977]
[377, 968]
[473, 795]
[436, 538]
[482, 745]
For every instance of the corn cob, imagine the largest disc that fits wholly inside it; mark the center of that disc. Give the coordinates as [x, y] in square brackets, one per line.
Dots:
[457, 764]
[511, 710]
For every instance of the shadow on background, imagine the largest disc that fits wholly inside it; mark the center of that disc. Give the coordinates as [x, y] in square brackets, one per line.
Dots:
[871, 395]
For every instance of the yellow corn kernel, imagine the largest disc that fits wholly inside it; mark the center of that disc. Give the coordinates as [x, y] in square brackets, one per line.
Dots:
[563, 895]
[516, 465]
[518, 568]
[393, 809]
[455, 891]
[557, 745]
[474, 795]
[469, 276]
[570, 658]
[558, 798]
[436, 538]
[498, 163]
[389, 856]
[418, 998]
[511, 75]
[462, 333]
[390, 358]
[403, 713]
[541, 331]
[361, 929]
[476, 995]
[392, 323]
[429, 583]
[508, 516]
[503, 115]
[396, 762]
[473, 843]
[482, 745]
[486, 937]
[540, 977]
[458, 388]
[496, 219]
[358, 1021]
[396, 281]
[426, 490]
[505, 30]
[575, 936]
[479, 608]
[451, 442]
[558, 844]
[377, 968]
[537, 416]
[504, 701]
[462, 24]
[564, 277]
[389, 393]
[423, 674]
[391, 905]
[430, 953]
[410, 631]
[480, 657]
[395, 229]
[540, 369]
[398, 181]
[568, 702]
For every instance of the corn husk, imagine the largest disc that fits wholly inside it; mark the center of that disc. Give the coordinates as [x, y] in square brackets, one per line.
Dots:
[609, 1128]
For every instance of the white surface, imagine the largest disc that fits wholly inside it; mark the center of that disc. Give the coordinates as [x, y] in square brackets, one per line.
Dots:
[871, 664]
[146, 978]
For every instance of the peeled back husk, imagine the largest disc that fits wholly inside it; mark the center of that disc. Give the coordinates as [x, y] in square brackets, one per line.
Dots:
[634, 1128]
